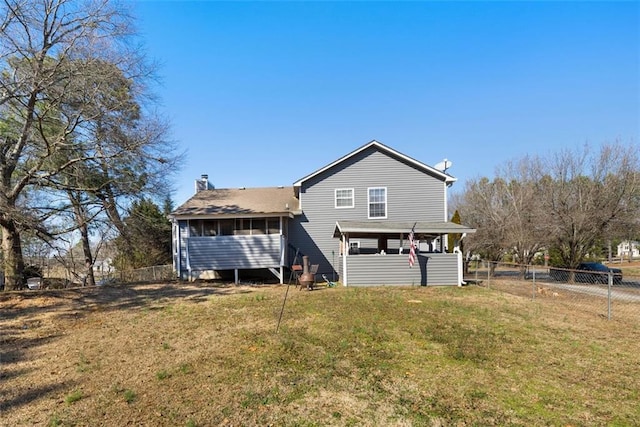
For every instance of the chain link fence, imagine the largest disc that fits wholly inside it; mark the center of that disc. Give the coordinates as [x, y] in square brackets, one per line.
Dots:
[147, 274]
[609, 294]
[157, 273]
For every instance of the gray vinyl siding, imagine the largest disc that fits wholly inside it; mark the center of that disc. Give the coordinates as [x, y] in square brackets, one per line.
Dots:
[234, 252]
[429, 269]
[412, 195]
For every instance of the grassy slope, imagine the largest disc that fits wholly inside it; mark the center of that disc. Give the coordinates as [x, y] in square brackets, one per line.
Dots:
[344, 356]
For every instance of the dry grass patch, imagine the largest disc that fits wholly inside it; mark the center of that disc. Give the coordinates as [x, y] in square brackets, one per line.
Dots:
[184, 354]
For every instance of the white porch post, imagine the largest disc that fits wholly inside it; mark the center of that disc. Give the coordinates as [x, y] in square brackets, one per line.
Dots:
[458, 252]
[460, 272]
[345, 253]
[237, 280]
[283, 249]
[446, 207]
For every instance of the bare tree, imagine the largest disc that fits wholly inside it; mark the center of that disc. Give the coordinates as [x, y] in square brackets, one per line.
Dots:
[37, 42]
[571, 202]
[481, 207]
[524, 235]
[72, 91]
[125, 156]
[588, 198]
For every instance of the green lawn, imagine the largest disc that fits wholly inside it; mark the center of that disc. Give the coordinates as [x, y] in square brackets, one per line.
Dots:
[342, 356]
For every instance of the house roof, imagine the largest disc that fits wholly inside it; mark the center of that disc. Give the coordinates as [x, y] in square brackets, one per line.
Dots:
[629, 242]
[398, 227]
[388, 150]
[239, 201]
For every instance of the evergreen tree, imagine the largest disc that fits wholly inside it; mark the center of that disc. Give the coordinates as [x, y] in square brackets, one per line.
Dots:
[453, 237]
[149, 232]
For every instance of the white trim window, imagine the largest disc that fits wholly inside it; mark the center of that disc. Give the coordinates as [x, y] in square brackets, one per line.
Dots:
[344, 198]
[377, 202]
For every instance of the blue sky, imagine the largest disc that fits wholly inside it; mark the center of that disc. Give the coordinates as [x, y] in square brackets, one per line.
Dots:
[263, 93]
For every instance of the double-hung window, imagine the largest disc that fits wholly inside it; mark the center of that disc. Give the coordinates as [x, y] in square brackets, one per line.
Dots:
[344, 198]
[377, 202]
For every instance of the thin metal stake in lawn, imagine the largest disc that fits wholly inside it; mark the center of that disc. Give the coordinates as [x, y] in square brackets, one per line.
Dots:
[282, 309]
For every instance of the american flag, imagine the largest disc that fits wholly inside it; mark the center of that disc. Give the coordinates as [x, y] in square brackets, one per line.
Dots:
[412, 248]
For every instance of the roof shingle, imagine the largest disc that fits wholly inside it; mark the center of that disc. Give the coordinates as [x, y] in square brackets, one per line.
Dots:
[240, 201]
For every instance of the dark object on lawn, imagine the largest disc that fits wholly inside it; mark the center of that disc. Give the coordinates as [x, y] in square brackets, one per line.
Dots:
[308, 277]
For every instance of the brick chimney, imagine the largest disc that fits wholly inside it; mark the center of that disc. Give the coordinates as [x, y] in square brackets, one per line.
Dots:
[203, 183]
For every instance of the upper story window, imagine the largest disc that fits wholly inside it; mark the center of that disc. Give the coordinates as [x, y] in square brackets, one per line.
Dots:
[378, 202]
[344, 198]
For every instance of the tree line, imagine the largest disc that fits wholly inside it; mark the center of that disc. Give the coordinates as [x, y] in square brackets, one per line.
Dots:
[82, 149]
[571, 204]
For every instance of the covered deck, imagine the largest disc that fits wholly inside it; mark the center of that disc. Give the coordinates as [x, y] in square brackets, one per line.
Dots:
[377, 253]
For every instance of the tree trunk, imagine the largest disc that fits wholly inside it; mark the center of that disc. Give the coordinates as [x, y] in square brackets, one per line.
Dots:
[108, 202]
[522, 271]
[13, 263]
[492, 268]
[89, 279]
[81, 220]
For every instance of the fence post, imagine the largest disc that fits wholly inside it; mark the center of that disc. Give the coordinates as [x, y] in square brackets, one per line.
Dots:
[610, 283]
[488, 274]
[533, 283]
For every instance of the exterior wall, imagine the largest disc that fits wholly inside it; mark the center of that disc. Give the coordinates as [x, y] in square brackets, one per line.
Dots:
[412, 195]
[235, 252]
[429, 269]
[629, 248]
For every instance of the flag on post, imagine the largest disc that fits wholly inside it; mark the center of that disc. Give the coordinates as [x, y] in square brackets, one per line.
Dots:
[412, 247]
